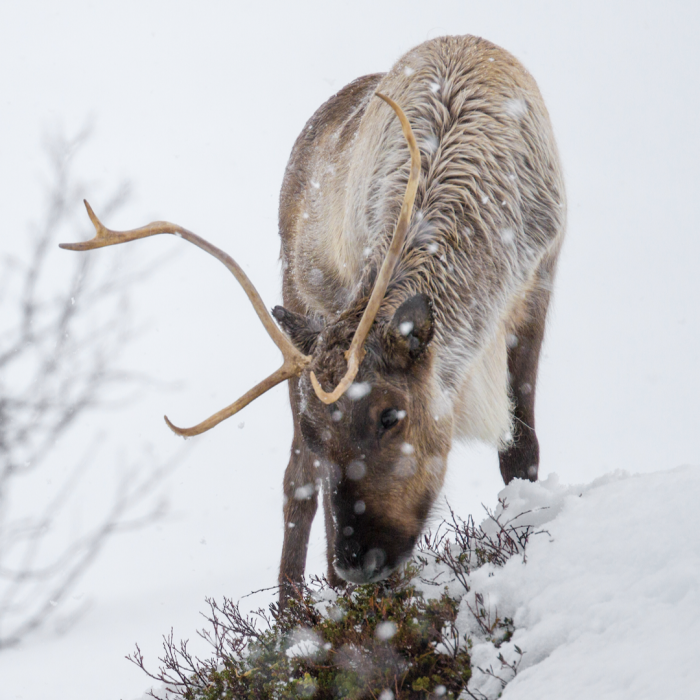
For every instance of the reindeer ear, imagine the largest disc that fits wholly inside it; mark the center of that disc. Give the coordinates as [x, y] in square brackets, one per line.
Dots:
[410, 330]
[302, 330]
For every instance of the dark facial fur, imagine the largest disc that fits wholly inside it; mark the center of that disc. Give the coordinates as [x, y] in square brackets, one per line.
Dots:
[381, 455]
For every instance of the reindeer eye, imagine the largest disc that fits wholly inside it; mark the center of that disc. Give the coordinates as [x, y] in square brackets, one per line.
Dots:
[389, 418]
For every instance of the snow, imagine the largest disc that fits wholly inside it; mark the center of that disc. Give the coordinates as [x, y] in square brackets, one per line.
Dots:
[385, 630]
[515, 107]
[430, 143]
[356, 470]
[606, 600]
[613, 588]
[358, 390]
[619, 377]
[406, 327]
[303, 493]
[507, 235]
[305, 643]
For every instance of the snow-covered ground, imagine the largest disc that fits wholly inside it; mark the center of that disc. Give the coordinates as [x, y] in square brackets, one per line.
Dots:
[607, 604]
[604, 601]
[199, 107]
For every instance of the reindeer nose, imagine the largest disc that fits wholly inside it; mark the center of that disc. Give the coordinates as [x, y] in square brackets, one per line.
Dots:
[349, 553]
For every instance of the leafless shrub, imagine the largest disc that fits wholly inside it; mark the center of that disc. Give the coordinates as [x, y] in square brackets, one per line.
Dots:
[423, 656]
[230, 636]
[463, 546]
[60, 342]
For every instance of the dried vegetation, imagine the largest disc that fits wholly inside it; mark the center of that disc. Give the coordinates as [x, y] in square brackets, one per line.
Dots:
[395, 639]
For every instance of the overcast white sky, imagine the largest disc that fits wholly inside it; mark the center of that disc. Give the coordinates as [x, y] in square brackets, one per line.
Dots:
[198, 105]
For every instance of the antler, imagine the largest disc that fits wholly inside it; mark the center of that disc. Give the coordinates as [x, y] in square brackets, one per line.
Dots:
[356, 352]
[294, 361]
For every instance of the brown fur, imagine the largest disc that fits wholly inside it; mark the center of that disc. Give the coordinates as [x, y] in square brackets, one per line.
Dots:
[474, 280]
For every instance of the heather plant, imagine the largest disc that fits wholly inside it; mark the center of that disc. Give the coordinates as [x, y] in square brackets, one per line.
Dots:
[397, 639]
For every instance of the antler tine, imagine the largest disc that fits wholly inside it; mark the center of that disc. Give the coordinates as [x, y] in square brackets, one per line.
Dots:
[356, 352]
[286, 371]
[294, 361]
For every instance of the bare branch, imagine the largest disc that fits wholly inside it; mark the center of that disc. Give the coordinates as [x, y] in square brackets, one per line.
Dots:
[58, 353]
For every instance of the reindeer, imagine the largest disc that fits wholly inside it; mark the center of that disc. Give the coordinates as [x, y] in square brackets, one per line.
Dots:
[415, 291]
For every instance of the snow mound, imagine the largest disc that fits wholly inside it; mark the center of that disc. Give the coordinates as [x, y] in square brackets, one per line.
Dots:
[604, 602]
[607, 601]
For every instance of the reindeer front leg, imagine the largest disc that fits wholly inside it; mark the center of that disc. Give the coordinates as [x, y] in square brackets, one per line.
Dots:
[300, 503]
[522, 457]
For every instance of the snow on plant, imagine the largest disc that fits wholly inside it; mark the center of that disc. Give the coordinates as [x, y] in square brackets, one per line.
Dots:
[401, 636]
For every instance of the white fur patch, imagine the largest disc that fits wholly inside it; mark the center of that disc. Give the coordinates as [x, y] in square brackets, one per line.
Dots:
[483, 409]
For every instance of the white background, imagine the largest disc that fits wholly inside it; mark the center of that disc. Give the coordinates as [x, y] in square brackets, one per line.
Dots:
[198, 105]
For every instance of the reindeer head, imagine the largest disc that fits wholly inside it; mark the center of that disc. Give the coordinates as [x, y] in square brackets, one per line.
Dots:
[383, 452]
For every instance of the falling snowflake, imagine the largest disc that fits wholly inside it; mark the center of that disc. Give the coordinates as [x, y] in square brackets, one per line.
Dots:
[356, 470]
[405, 328]
[303, 493]
[515, 107]
[431, 143]
[508, 236]
[386, 630]
[358, 390]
